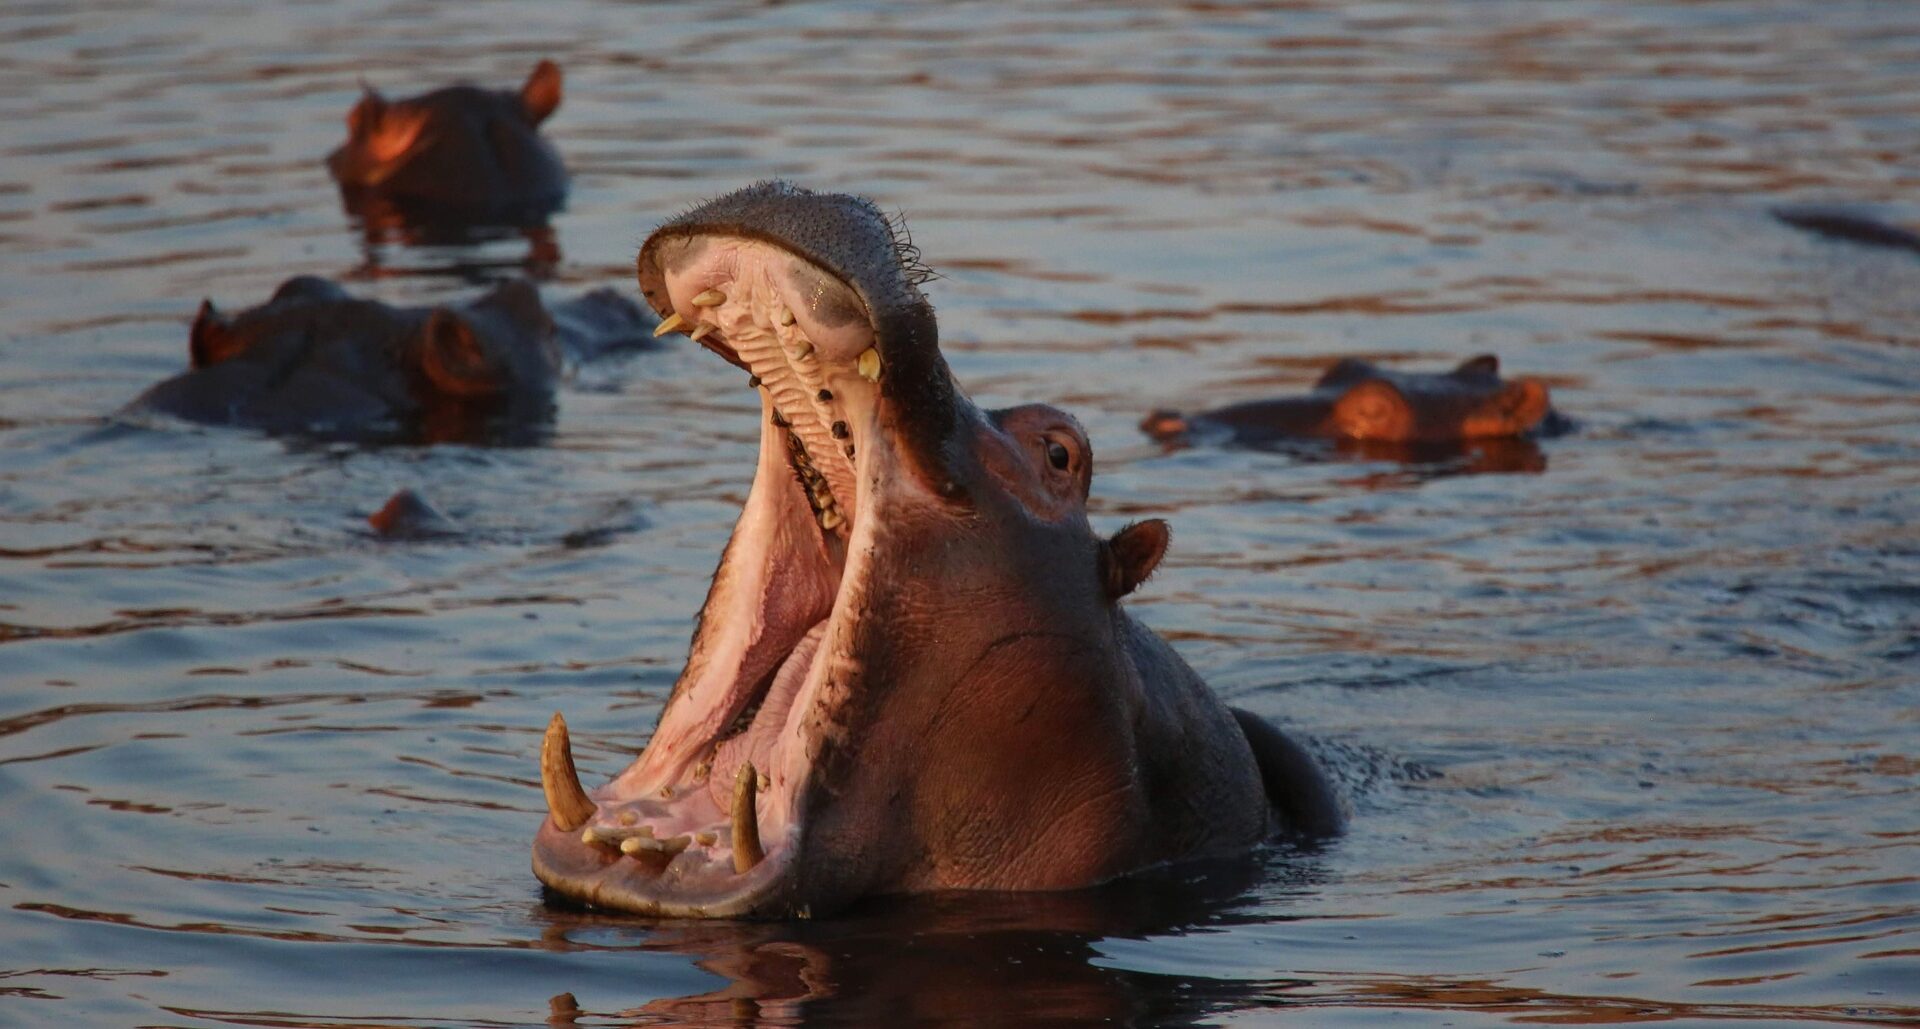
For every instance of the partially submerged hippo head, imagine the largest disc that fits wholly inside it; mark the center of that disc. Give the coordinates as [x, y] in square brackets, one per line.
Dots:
[912, 671]
[1357, 401]
[317, 361]
[461, 153]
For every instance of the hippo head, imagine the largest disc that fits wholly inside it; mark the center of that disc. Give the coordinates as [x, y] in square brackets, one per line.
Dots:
[457, 151]
[1470, 402]
[316, 360]
[911, 671]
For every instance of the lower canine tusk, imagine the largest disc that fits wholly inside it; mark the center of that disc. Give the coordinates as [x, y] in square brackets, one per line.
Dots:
[567, 802]
[746, 821]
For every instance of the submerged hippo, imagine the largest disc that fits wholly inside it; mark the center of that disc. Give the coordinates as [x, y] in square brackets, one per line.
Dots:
[458, 154]
[1356, 401]
[317, 361]
[1850, 225]
[912, 671]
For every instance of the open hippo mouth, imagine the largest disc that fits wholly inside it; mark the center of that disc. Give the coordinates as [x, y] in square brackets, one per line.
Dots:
[816, 300]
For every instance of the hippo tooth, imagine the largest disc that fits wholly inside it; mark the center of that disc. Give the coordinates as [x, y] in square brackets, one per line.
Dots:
[676, 844]
[702, 331]
[870, 364]
[705, 838]
[786, 317]
[629, 817]
[631, 846]
[830, 518]
[709, 298]
[668, 324]
[746, 821]
[567, 801]
[803, 350]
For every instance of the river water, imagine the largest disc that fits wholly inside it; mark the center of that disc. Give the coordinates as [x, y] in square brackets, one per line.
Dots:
[1630, 725]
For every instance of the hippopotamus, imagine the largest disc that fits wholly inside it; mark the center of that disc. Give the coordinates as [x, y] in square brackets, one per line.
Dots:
[1356, 401]
[1849, 225]
[313, 360]
[461, 154]
[912, 671]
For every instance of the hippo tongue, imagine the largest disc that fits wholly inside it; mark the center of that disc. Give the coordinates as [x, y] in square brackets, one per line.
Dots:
[765, 722]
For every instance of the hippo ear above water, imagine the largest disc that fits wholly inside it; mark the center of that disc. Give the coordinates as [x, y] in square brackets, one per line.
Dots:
[366, 114]
[1132, 554]
[541, 95]
[212, 339]
[1484, 366]
[453, 358]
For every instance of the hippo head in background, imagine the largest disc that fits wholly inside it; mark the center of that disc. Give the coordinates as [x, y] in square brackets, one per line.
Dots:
[456, 156]
[314, 360]
[1356, 401]
[912, 671]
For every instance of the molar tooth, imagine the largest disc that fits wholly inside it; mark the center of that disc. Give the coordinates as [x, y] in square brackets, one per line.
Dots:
[830, 518]
[870, 364]
[567, 802]
[631, 846]
[803, 350]
[746, 824]
[702, 331]
[786, 317]
[668, 324]
[675, 845]
[709, 298]
[629, 817]
[705, 838]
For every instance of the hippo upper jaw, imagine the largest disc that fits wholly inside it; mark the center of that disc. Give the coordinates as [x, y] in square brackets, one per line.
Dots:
[713, 818]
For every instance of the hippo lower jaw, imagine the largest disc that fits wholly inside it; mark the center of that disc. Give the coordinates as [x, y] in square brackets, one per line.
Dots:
[712, 819]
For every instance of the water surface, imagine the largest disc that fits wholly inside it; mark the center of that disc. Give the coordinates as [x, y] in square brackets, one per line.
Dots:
[1629, 726]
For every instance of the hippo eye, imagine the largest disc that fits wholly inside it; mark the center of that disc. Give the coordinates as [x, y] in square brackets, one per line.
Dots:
[1057, 456]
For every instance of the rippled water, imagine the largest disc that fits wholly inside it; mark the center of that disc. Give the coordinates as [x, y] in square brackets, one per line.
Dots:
[1632, 737]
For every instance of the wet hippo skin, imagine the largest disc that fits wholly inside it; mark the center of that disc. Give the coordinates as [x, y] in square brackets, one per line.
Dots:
[314, 360]
[913, 672]
[1356, 401]
[461, 154]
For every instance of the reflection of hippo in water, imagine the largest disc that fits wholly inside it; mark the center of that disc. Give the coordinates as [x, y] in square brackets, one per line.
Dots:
[1850, 225]
[1358, 402]
[315, 360]
[458, 155]
[912, 672]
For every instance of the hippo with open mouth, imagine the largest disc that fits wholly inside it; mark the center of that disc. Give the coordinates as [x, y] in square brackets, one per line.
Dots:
[912, 672]
[1359, 402]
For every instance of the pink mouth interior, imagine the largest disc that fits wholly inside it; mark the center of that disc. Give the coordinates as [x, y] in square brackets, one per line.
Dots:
[773, 657]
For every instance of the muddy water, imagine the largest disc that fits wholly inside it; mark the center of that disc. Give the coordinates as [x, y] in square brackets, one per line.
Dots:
[1627, 721]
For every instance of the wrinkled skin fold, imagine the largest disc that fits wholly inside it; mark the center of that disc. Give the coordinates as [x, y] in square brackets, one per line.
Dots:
[912, 672]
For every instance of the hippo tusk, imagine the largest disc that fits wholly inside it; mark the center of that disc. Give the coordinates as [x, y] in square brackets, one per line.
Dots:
[567, 802]
[668, 324]
[746, 821]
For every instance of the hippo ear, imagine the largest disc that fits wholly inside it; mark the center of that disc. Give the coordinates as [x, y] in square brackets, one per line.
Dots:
[1132, 554]
[1486, 366]
[1374, 410]
[1164, 425]
[366, 114]
[541, 94]
[1525, 403]
[453, 357]
[1346, 370]
[212, 339]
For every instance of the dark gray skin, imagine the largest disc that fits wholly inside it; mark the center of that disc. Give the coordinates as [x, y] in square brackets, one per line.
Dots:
[1849, 225]
[1357, 401]
[462, 155]
[315, 361]
[914, 634]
